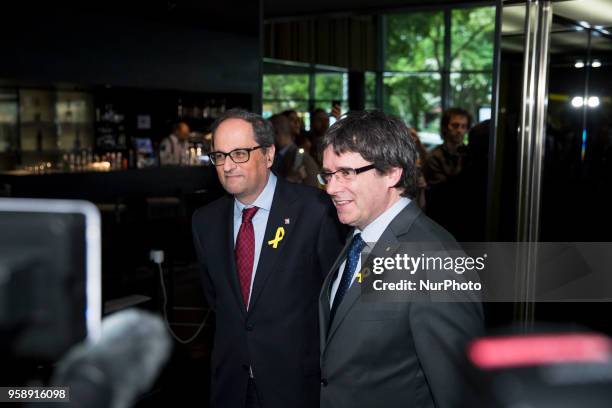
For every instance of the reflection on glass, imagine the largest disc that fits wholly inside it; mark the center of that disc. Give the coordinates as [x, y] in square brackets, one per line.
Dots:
[415, 42]
[414, 98]
[472, 38]
[8, 120]
[272, 107]
[283, 87]
[51, 120]
[332, 86]
[578, 157]
[370, 90]
[471, 91]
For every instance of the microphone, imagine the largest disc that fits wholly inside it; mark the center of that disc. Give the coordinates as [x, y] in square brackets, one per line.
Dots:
[112, 371]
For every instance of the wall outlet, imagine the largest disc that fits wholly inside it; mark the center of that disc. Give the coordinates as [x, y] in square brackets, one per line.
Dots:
[157, 256]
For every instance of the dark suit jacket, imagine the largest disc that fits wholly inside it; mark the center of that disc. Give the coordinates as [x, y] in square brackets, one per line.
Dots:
[395, 354]
[278, 336]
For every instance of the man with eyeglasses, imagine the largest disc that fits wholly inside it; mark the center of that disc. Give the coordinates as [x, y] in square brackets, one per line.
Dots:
[444, 167]
[381, 353]
[263, 251]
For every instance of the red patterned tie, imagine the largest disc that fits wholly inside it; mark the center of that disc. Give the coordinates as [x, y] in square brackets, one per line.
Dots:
[245, 252]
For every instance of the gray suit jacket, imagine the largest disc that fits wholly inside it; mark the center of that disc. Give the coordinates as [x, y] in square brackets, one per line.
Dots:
[395, 354]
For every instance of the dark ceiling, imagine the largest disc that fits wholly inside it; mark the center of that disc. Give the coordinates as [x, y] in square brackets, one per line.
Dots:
[275, 9]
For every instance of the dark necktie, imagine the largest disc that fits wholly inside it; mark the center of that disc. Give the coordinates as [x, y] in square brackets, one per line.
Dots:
[245, 252]
[352, 259]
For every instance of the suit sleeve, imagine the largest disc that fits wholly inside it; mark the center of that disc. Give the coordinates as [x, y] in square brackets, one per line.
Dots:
[330, 240]
[441, 332]
[209, 289]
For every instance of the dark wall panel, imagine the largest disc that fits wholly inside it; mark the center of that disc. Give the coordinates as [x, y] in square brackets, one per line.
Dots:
[186, 48]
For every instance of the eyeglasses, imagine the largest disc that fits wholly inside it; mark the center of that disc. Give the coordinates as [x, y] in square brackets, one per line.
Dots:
[343, 175]
[241, 155]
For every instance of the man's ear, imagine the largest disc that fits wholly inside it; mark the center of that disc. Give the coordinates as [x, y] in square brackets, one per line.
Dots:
[393, 175]
[270, 151]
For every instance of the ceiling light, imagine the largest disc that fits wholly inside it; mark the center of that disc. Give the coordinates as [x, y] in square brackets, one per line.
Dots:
[584, 24]
[579, 64]
[593, 101]
[596, 63]
[577, 101]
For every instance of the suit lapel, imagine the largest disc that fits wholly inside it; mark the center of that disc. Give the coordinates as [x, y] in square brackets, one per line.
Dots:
[324, 299]
[354, 291]
[386, 244]
[232, 274]
[270, 257]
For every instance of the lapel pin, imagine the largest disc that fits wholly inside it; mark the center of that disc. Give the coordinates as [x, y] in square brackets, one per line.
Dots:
[280, 233]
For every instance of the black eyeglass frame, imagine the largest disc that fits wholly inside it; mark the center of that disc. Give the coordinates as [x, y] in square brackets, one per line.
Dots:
[359, 170]
[248, 150]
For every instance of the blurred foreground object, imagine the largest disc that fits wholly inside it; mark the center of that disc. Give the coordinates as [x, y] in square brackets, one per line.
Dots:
[561, 370]
[114, 370]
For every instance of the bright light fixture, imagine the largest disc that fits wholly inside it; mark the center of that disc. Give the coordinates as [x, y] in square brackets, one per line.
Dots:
[577, 101]
[579, 64]
[593, 101]
[596, 63]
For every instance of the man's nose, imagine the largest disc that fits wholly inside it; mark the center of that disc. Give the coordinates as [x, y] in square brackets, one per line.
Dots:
[332, 186]
[228, 164]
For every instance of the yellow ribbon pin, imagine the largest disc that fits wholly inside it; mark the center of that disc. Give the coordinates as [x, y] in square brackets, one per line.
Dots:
[280, 233]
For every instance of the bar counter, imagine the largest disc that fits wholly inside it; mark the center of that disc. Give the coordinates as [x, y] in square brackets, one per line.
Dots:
[141, 209]
[113, 186]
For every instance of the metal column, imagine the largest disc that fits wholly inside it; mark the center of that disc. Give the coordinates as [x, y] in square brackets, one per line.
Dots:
[531, 145]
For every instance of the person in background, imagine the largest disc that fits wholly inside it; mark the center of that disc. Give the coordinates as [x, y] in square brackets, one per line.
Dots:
[297, 129]
[173, 149]
[292, 163]
[443, 168]
[446, 160]
[319, 123]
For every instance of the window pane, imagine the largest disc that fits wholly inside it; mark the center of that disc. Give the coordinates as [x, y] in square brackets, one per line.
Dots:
[269, 108]
[472, 38]
[415, 42]
[285, 87]
[471, 92]
[370, 89]
[326, 105]
[414, 98]
[370, 105]
[331, 86]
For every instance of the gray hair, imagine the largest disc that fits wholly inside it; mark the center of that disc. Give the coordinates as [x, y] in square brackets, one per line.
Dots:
[381, 139]
[262, 129]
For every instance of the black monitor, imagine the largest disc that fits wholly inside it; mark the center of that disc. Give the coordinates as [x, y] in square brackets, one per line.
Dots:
[50, 292]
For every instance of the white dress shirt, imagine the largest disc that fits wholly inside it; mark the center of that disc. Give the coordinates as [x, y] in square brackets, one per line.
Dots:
[370, 234]
[260, 220]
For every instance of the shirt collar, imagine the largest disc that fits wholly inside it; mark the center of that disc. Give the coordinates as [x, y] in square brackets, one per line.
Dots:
[373, 231]
[264, 200]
